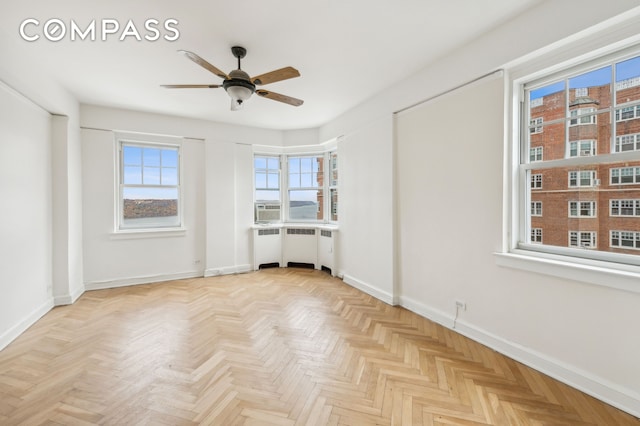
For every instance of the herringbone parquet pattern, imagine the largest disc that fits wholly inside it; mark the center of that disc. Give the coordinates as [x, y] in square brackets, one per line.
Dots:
[281, 347]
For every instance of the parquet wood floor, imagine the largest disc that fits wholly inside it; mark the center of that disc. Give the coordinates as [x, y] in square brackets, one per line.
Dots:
[275, 347]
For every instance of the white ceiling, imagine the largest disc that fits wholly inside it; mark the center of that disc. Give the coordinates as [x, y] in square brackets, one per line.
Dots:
[345, 50]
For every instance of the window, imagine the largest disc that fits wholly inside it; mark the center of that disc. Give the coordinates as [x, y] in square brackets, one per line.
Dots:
[582, 208]
[536, 181]
[582, 239]
[628, 113]
[625, 239]
[267, 188]
[624, 207]
[306, 188]
[590, 130]
[333, 186]
[582, 116]
[536, 235]
[149, 181]
[535, 154]
[627, 143]
[582, 148]
[535, 125]
[536, 208]
[625, 176]
[582, 178]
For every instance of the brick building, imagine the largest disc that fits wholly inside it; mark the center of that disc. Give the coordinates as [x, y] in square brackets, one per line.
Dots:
[591, 205]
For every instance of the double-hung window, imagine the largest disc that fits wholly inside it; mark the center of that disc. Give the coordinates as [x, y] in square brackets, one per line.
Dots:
[149, 186]
[333, 186]
[586, 119]
[267, 188]
[306, 187]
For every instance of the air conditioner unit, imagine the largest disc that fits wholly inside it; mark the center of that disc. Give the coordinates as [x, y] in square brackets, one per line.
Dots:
[596, 182]
[267, 212]
[585, 152]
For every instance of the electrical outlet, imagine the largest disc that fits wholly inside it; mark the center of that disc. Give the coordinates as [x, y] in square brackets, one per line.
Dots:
[461, 305]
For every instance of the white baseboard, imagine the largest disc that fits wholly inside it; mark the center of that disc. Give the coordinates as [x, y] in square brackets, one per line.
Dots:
[123, 282]
[68, 299]
[368, 288]
[625, 399]
[15, 331]
[228, 270]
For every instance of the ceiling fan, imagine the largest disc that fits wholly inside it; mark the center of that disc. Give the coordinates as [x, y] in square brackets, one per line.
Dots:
[238, 84]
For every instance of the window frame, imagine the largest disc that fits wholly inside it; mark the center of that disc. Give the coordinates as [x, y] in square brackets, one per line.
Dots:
[146, 141]
[613, 270]
[593, 212]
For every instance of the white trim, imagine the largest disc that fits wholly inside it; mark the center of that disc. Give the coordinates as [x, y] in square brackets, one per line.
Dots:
[228, 270]
[14, 332]
[68, 299]
[369, 289]
[584, 270]
[623, 398]
[146, 279]
[127, 234]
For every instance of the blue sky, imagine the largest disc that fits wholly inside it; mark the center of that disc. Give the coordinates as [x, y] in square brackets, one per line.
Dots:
[624, 70]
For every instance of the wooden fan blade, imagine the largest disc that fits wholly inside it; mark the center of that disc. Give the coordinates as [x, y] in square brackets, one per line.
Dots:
[191, 86]
[204, 64]
[277, 75]
[280, 98]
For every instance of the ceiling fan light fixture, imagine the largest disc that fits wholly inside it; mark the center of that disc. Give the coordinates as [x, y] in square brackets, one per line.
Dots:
[239, 93]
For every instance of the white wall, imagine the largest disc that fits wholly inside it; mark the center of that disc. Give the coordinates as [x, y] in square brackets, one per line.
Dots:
[25, 216]
[575, 331]
[365, 207]
[218, 200]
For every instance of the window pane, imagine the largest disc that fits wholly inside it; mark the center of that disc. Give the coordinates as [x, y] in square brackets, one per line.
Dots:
[169, 158]
[261, 180]
[592, 88]
[294, 165]
[267, 195]
[273, 180]
[273, 163]
[305, 205]
[151, 157]
[260, 163]
[294, 180]
[132, 175]
[169, 176]
[548, 102]
[306, 180]
[628, 81]
[546, 143]
[150, 207]
[132, 155]
[151, 175]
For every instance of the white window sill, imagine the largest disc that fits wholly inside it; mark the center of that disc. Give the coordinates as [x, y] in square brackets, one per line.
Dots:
[148, 233]
[607, 274]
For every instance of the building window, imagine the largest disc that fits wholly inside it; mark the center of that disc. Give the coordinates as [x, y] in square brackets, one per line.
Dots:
[628, 113]
[149, 182]
[306, 188]
[267, 188]
[625, 176]
[590, 129]
[582, 209]
[333, 186]
[536, 235]
[627, 143]
[582, 178]
[582, 148]
[535, 125]
[535, 154]
[536, 181]
[624, 207]
[625, 239]
[582, 239]
[536, 208]
[582, 116]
